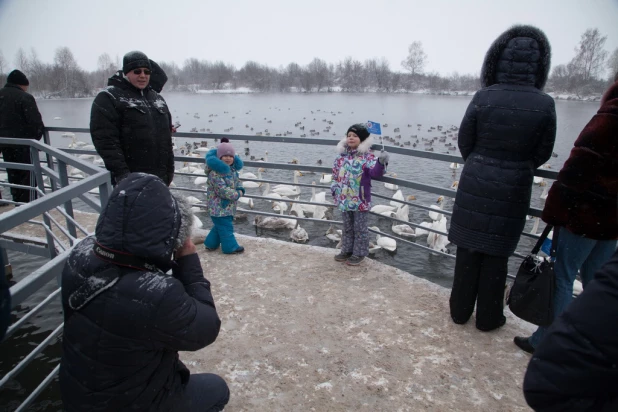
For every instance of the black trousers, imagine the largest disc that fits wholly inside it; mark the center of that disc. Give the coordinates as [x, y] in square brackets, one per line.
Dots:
[16, 154]
[480, 279]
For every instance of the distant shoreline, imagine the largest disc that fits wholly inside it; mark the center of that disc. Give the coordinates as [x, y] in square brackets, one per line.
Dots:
[246, 90]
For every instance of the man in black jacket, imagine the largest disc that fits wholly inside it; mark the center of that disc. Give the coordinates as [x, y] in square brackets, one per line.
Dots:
[126, 318]
[19, 118]
[574, 366]
[130, 123]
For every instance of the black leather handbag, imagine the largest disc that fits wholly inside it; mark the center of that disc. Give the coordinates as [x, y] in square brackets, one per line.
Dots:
[532, 295]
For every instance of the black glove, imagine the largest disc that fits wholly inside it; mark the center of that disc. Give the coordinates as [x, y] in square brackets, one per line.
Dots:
[383, 158]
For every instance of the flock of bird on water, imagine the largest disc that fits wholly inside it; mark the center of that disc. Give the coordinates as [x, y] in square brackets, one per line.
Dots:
[278, 195]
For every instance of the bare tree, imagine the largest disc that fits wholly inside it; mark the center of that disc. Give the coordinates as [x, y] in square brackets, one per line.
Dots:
[379, 73]
[590, 57]
[612, 63]
[415, 62]
[220, 73]
[319, 72]
[21, 61]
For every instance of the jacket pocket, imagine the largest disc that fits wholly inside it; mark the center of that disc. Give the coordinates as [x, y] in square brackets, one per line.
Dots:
[224, 203]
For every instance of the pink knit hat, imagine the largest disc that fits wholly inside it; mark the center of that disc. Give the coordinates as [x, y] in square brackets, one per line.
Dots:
[225, 148]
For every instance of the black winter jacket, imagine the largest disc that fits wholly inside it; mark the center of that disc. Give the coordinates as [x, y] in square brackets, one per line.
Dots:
[124, 326]
[575, 367]
[131, 130]
[508, 131]
[19, 114]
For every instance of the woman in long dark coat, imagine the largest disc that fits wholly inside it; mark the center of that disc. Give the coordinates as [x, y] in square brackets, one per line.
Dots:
[507, 132]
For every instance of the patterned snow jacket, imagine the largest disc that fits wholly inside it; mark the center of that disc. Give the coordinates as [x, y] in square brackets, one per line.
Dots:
[352, 174]
[223, 182]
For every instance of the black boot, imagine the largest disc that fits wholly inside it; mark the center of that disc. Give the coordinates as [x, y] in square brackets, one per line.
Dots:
[523, 344]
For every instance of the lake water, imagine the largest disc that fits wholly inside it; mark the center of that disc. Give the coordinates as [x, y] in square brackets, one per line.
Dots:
[279, 113]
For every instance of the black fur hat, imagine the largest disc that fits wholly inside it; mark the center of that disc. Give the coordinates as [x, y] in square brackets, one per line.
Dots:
[494, 54]
[360, 130]
[17, 77]
[135, 60]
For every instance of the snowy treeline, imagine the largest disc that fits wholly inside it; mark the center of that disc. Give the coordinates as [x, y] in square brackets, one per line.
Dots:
[585, 75]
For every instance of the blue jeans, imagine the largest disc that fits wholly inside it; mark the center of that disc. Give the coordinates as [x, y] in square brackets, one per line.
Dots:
[222, 233]
[205, 392]
[572, 254]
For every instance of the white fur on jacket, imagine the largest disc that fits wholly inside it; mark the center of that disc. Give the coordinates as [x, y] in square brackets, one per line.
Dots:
[362, 148]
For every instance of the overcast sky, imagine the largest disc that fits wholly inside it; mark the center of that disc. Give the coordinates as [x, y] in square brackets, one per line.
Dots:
[455, 33]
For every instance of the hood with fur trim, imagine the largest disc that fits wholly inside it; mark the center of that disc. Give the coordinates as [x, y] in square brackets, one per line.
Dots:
[215, 164]
[144, 219]
[521, 55]
[364, 147]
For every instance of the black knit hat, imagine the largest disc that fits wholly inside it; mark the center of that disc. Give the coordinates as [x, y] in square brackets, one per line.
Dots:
[17, 77]
[135, 60]
[360, 130]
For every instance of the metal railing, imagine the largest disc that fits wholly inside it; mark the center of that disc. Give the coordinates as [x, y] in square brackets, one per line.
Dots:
[57, 196]
[64, 188]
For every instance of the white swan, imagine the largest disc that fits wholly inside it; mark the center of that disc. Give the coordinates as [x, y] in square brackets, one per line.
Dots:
[386, 243]
[422, 232]
[297, 210]
[201, 180]
[326, 178]
[246, 201]
[383, 208]
[288, 188]
[403, 230]
[454, 166]
[545, 193]
[334, 234]
[436, 216]
[299, 235]
[392, 186]
[275, 223]
[247, 175]
[397, 196]
[197, 223]
[253, 185]
[455, 185]
[437, 241]
[538, 180]
[535, 227]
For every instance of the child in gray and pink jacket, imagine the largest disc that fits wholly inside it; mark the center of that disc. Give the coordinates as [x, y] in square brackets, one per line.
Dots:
[353, 170]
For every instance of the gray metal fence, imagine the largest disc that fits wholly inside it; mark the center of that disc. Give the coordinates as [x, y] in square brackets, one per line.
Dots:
[59, 193]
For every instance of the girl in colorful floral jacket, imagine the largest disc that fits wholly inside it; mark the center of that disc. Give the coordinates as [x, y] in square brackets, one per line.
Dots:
[222, 192]
[351, 189]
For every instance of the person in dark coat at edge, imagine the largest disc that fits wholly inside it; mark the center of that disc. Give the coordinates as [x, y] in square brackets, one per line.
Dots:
[126, 318]
[574, 366]
[507, 132]
[130, 123]
[582, 204]
[19, 118]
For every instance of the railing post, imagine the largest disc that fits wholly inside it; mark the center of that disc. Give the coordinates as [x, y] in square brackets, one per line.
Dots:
[68, 205]
[38, 172]
[50, 158]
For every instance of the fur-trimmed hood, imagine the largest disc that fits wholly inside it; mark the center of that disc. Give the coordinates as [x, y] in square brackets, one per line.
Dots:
[364, 147]
[521, 55]
[215, 164]
[144, 219]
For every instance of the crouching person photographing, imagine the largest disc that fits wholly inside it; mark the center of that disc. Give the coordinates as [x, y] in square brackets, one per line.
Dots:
[125, 319]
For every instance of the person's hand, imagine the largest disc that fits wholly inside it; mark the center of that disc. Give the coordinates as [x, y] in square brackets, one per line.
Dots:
[383, 158]
[241, 189]
[174, 129]
[187, 248]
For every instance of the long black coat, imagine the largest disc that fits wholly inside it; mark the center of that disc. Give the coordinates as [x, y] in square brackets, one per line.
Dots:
[508, 131]
[19, 114]
[123, 326]
[575, 366]
[131, 130]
